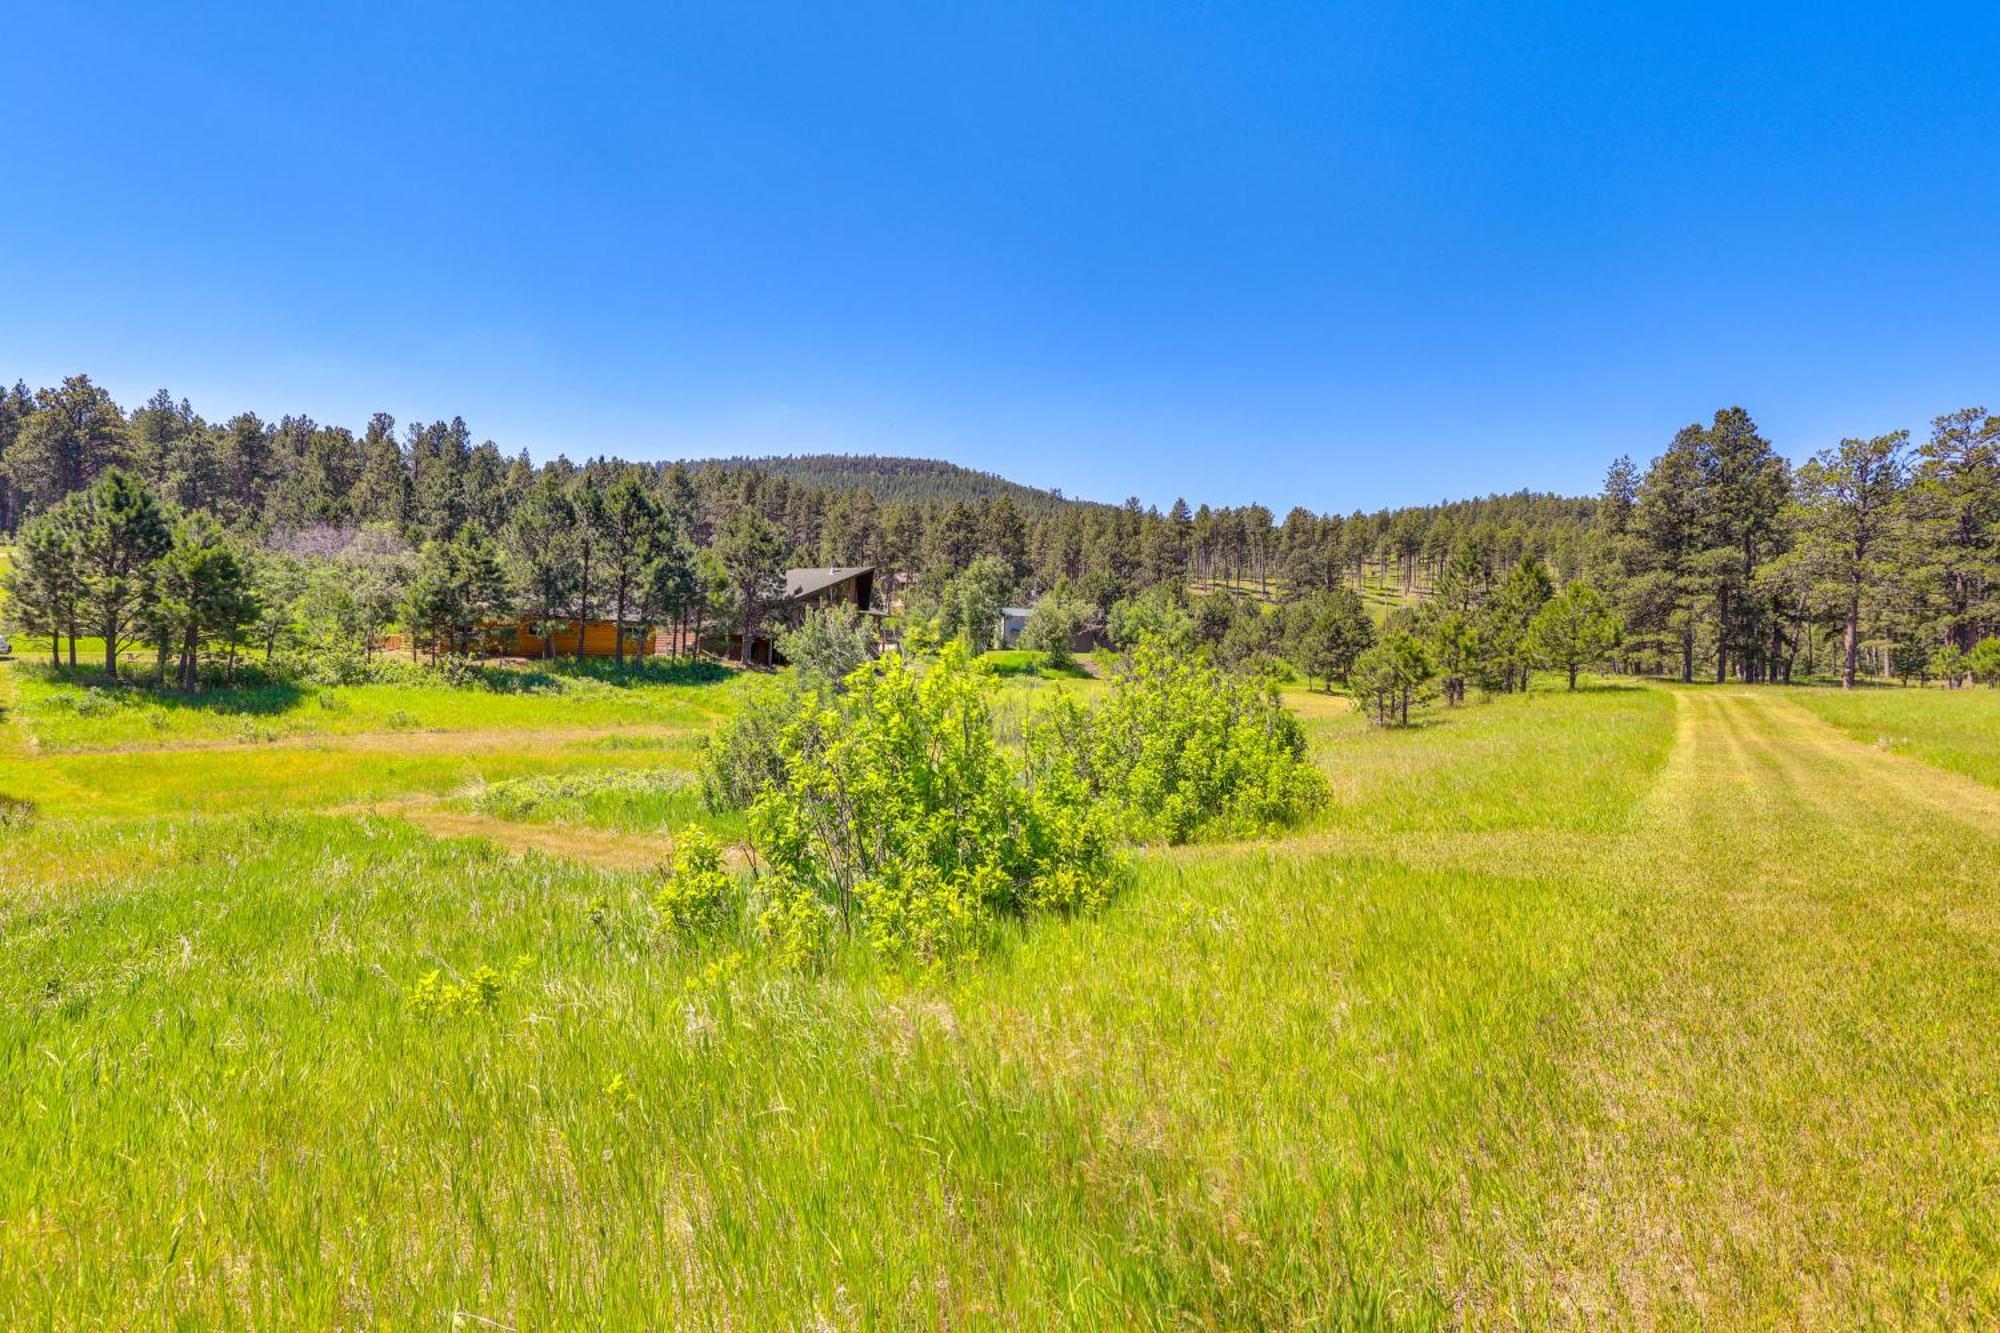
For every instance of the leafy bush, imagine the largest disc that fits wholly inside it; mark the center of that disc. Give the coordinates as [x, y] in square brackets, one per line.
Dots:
[742, 758]
[1983, 662]
[432, 997]
[699, 898]
[1180, 749]
[828, 644]
[897, 814]
[1054, 624]
[1158, 615]
[794, 923]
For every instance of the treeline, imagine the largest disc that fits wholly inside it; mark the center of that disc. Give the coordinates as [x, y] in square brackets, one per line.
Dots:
[1726, 562]
[1718, 558]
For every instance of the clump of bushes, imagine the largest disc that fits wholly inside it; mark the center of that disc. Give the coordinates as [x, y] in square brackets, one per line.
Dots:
[742, 759]
[897, 814]
[1181, 749]
[699, 899]
[827, 645]
[890, 808]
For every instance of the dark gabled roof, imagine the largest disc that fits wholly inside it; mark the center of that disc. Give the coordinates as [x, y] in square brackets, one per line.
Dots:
[805, 582]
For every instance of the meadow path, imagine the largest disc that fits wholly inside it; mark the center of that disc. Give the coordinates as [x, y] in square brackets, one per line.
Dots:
[1790, 1061]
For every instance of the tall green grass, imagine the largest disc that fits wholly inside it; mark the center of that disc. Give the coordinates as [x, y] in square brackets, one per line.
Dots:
[1957, 730]
[1628, 1007]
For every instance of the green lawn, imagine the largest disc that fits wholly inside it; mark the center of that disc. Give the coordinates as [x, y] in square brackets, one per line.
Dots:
[1639, 1006]
[61, 712]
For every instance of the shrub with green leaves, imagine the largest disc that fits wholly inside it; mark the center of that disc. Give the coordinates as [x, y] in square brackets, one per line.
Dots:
[827, 644]
[479, 991]
[898, 815]
[1180, 749]
[742, 757]
[1983, 662]
[700, 897]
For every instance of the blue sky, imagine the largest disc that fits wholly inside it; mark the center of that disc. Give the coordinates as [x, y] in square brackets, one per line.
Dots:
[1338, 255]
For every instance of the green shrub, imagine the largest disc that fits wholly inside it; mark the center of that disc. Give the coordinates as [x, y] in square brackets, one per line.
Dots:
[742, 758]
[898, 812]
[1054, 625]
[827, 645]
[1180, 749]
[794, 923]
[1983, 662]
[699, 898]
[432, 997]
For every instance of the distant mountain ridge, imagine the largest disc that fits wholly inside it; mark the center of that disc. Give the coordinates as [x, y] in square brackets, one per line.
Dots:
[894, 479]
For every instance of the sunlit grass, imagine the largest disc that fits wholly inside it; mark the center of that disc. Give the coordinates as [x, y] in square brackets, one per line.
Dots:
[1630, 1007]
[650, 799]
[64, 713]
[1954, 729]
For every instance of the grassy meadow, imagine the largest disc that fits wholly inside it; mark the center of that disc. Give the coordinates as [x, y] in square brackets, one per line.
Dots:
[1953, 729]
[1640, 1006]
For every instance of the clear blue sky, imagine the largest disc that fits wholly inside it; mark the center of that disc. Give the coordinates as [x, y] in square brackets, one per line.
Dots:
[1334, 254]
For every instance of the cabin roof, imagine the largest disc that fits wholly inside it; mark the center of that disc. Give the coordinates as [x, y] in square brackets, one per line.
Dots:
[805, 582]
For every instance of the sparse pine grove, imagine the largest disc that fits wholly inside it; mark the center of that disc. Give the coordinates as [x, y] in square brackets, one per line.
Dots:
[1486, 915]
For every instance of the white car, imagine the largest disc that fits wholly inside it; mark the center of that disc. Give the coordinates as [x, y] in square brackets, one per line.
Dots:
[6, 648]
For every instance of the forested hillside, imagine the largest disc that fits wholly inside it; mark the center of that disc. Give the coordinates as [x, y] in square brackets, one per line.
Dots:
[902, 480]
[1717, 559]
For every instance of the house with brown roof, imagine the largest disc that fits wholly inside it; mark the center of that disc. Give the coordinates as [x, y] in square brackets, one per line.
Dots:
[807, 588]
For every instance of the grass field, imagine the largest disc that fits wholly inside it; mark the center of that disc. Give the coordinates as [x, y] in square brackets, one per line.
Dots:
[1954, 729]
[1642, 1006]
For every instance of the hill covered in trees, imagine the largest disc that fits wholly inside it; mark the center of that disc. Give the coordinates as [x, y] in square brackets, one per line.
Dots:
[903, 480]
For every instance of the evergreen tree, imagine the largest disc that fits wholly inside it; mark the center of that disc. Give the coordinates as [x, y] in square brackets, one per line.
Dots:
[1574, 629]
[539, 544]
[1952, 555]
[75, 432]
[1847, 501]
[382, 492]
[123, 534]
[44, 584]
[203, 595]
[750, 559]
[629, 529]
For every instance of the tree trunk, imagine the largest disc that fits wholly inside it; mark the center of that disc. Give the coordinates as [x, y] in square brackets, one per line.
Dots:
[1850, 643]
[1572, 676]
[618, 627]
